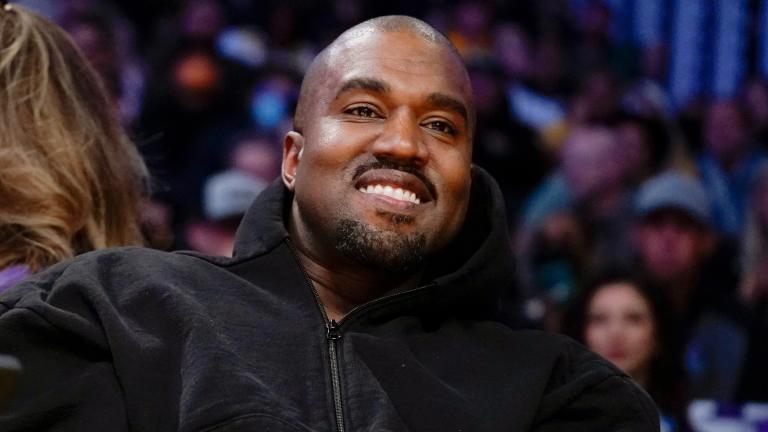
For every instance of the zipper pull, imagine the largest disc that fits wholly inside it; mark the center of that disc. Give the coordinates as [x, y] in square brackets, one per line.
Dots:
[333, 332]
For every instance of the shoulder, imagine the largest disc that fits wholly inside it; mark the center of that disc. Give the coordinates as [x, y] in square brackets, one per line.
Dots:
[108, 273]
[575, 388]
[586, 391]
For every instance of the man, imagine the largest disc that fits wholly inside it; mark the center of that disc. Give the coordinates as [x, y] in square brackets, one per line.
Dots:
[729, 164]
[578, 219]
[676, 247]
[359, 297]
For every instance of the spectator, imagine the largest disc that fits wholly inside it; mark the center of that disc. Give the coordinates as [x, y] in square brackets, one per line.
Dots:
[381, 247]
[509, 150]
[70, 179]
[578, 220]
[253, 163]
[472, 19]
[226, 198]
[755, 100]
[646, 95]
[644, 142]
[754, 243]
[106, 41]
[754, 290]
[255, 155]
[676, 249]
[625, 320]
[728, 165]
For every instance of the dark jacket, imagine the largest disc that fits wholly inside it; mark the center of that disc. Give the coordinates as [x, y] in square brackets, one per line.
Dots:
[136, 339]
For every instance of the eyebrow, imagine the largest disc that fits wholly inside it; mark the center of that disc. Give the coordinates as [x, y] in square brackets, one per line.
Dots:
[443, 101]
[370, 84]
[438, 100]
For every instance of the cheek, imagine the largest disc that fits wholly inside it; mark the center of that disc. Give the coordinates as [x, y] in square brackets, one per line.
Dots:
[686, 252]
[454, 173]
[641, 341]
[596, 337]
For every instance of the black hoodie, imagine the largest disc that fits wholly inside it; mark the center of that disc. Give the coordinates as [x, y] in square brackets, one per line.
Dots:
[136, 339]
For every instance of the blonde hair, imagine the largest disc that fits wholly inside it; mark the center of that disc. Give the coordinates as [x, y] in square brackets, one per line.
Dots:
[70, 179]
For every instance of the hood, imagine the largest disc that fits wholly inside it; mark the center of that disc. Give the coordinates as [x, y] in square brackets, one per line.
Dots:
[466, 278]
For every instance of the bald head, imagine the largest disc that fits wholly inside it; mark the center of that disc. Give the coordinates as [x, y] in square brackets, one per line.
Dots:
[325, 63]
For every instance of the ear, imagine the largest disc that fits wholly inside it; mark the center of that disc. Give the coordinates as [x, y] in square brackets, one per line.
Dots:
[293, 148]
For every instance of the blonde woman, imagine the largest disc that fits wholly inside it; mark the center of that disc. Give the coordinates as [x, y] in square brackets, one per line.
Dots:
[70, 179]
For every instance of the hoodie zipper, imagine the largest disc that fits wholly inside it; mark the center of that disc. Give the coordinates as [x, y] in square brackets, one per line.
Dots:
[333, 338]
[333, 334]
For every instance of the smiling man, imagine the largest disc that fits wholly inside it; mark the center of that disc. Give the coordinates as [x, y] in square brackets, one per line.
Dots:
[361, 295]
[379, 162]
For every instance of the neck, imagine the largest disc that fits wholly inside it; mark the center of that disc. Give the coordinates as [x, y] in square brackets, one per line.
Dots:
[642, 377]
[679, 291]
[343, 284]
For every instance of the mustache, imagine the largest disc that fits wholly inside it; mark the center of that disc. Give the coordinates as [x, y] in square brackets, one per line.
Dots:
[397, 166]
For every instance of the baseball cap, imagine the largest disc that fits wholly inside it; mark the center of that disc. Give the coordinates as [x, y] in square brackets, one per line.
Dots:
[673, 190]
[230, 193]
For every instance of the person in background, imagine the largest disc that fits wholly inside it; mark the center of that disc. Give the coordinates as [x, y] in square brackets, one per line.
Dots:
[754, 245]
[70, 179]
[728, 165]
[754, 97]
[106, 40]
[577, 221]
[753, 290]
[227, 195]
[625, 320]
[645, 145]
[677, 249]
[507, 149]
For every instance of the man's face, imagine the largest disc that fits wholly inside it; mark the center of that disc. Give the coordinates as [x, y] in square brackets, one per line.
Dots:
[384, 171]
[589, 160]
[671, 244]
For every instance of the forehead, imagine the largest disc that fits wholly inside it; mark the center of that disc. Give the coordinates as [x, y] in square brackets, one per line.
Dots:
[402, 59]
[618, 293]
[671, 216]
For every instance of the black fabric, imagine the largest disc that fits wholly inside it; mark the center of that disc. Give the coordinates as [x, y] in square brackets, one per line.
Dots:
[136, 339]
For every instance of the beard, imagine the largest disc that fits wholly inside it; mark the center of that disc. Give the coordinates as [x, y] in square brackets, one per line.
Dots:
[380, 249]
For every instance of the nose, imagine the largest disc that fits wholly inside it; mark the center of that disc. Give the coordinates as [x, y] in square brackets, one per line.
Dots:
[402, 139]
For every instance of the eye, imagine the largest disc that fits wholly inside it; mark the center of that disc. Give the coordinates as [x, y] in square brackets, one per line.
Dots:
[597, 319]
[635, 318]
[441, 126]
[362, 111]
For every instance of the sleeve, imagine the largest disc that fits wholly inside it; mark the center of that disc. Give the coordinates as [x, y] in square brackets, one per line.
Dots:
[68, 381]
[589, 394]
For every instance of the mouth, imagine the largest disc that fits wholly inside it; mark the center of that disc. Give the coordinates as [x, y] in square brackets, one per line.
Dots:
[394, 186]
[616, 354]
[398, 194]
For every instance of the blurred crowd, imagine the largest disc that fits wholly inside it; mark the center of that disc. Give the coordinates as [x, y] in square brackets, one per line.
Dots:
[640, 220]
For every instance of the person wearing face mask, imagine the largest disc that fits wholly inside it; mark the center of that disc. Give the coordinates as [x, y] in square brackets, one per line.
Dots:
[362, 294]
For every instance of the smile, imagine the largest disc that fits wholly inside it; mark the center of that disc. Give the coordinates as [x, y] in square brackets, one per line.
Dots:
[388, 191]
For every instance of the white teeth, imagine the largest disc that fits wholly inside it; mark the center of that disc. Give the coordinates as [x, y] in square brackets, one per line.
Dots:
[398, 194]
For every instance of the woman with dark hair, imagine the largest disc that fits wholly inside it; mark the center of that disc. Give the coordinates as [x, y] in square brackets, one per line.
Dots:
[624, 319]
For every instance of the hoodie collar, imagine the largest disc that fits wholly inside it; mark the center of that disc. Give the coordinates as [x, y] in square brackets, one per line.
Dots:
[470, 271]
